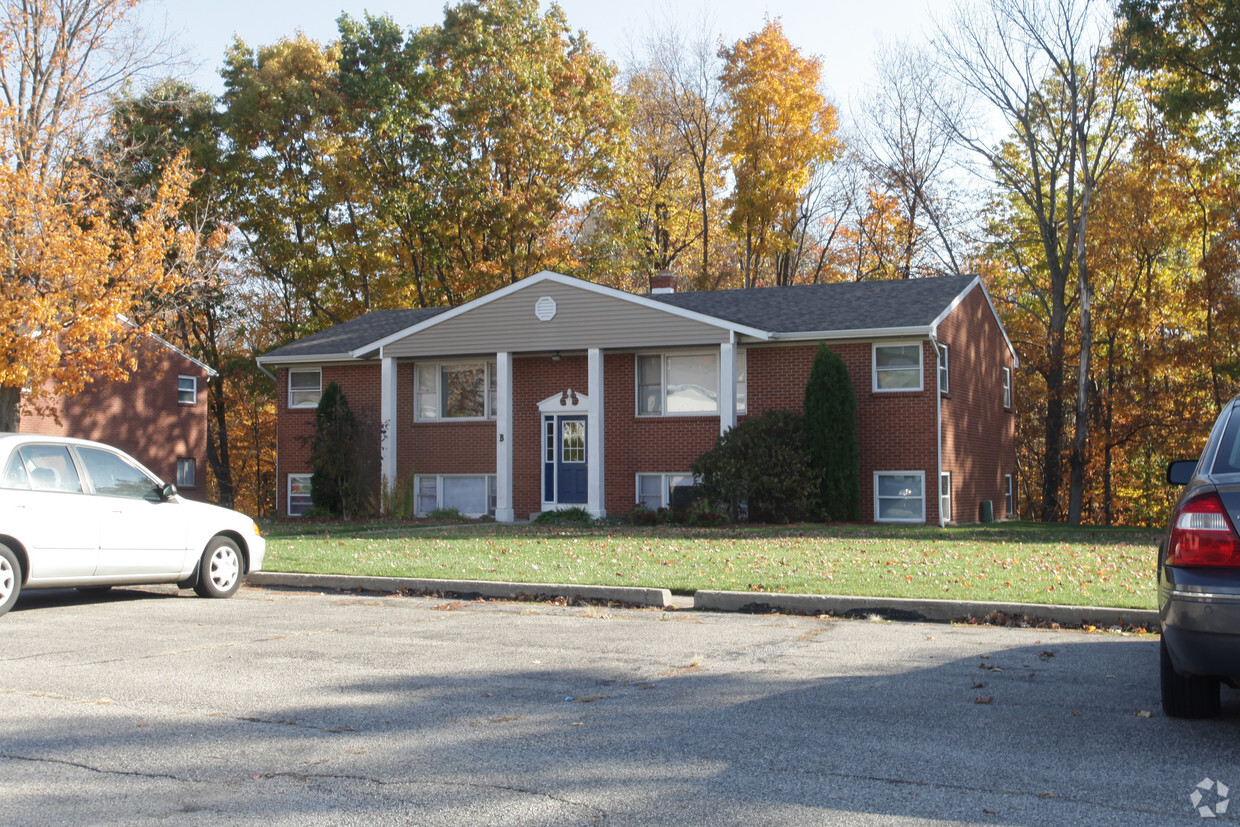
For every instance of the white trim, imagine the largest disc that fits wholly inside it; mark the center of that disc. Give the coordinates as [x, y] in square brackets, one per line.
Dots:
[288, 494]
[503, 438]
[943, 359]
[960, 297]
[193, 389]
[388, 417]
[920, 331]
[921, 367]
[726, 400]
[945, 514]
[921, 475]
[594, 434]
[567, 401]
[665, 492]
[417, 478]
[567, 281]
[289, 379]
[438, 365]
[663, 357]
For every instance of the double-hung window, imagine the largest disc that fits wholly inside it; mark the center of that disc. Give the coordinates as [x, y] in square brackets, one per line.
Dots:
[299, 494]
[305, 387]
[473, 495]
[657, 491]
[897, 367]
[186, 472]
[187, 390]
[943, 374]
[1009, 496]
[945, 495]
[455, 390]
[1007, 387]
[899, 496]
[671, 384]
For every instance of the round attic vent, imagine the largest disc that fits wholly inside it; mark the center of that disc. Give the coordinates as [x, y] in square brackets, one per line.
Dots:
[545, 309]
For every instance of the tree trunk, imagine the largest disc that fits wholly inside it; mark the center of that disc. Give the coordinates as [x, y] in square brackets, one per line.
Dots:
[10, 408]
[1076, 492]
[217, 442]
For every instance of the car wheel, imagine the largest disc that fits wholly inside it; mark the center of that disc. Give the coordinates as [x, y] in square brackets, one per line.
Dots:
[1186, 696]
[10, 578]
[219, 571]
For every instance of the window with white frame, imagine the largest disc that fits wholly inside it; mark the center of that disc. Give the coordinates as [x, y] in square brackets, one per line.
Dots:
[945, 495]
[187, 390]
[299, 494]
[669, 384]
[1007, 387]
[186, 472]
[454, 390]
[943, 374]
[471, 494]
[897, 367]
[305, 387]
[1009, 496]
[656, 491]
[899, 496]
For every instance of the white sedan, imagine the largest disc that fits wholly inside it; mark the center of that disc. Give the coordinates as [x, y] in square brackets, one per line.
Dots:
[75, 513]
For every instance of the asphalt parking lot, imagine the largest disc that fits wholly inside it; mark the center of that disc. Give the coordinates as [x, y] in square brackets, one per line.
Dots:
[298, 707]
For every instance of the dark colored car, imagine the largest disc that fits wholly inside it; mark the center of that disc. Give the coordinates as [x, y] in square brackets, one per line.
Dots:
[1199, 576]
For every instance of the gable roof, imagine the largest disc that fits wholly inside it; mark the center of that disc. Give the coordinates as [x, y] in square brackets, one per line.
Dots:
[867, 309]
[844, 307]
[340, 341]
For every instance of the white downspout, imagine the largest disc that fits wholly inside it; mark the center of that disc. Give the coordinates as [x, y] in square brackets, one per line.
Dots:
[938, 402]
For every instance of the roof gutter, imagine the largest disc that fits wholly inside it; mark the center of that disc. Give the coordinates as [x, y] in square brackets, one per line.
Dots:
[920, 331]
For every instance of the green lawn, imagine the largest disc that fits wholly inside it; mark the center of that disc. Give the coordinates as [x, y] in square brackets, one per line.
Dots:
[1016, 562]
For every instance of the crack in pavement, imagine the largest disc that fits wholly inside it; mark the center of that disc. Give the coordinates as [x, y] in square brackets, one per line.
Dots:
[134, 773]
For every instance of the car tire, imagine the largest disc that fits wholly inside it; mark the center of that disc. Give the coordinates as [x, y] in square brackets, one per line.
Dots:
[10, 578]
[1186, 696]
[219, 571]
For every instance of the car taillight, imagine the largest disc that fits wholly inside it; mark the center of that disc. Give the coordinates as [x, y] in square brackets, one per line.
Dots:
[1202, 535]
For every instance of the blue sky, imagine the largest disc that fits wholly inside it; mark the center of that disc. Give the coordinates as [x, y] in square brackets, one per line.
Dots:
[844, 33]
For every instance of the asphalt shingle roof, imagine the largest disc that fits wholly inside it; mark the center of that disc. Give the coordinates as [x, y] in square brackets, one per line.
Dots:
[355, 333]
[817, 308]
[810, 308]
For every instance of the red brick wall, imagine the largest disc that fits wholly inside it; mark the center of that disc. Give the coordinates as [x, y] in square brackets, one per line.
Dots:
[295, 426]
[979, 436]
[140, 416]
[896, 431]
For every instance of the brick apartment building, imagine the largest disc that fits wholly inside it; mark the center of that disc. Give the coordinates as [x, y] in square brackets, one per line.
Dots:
[556, 392]
[158, 415]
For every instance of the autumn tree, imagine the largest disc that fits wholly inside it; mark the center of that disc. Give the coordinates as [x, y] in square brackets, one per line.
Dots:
[1045, 71]
[80, 281]
[781, 130]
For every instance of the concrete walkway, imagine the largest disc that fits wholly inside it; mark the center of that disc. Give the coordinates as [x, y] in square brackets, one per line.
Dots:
[891, 608]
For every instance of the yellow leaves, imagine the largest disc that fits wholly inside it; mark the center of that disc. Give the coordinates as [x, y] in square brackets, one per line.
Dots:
[77, 275]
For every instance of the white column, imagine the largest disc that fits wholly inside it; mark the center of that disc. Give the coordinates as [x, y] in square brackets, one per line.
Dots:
[594, 433]
[387, 415]
[727, 387]
[503, 439]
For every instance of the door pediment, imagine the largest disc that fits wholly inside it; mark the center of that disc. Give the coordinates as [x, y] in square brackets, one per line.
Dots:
[567, 401]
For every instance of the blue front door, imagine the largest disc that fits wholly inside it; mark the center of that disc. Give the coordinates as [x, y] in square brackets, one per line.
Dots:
[571, 484]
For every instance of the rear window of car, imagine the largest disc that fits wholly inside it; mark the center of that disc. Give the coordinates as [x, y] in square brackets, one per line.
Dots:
[1227, 460]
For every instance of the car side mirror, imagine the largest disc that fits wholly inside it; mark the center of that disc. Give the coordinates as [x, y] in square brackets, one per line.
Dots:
[1181, 471]
[167, 491]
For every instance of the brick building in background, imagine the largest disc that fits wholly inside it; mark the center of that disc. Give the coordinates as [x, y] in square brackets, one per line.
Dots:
[158, 416]
[555, 392]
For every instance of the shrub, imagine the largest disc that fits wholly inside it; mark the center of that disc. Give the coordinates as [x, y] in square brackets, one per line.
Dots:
[759, 469]
[336, 458]
[831, 438]
[446, 515]
[576, 514]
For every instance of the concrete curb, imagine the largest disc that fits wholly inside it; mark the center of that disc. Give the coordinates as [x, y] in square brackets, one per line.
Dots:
[657, 598]
[900, 608]
[891, 608]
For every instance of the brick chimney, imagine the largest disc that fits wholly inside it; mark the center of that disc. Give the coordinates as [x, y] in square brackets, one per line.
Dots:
[663, 281]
